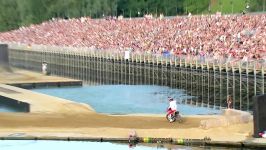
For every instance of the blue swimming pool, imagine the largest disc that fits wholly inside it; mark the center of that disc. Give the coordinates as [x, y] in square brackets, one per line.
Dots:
[86, 145]
[72, 145]
[127, 99]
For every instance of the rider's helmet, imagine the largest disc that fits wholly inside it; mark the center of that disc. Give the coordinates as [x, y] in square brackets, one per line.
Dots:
[170, 99]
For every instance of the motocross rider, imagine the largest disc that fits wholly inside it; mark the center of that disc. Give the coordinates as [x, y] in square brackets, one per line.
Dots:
[172, 106]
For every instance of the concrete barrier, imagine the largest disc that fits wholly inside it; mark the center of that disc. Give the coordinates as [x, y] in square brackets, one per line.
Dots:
[15, 104]
[178, 141]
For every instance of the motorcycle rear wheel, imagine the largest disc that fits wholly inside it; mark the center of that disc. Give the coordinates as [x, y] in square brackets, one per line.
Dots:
[179, 119]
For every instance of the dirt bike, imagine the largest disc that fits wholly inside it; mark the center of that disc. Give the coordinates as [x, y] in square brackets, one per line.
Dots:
[174, 116]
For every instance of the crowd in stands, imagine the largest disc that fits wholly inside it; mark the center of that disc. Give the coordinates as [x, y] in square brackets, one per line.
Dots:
[228, 36]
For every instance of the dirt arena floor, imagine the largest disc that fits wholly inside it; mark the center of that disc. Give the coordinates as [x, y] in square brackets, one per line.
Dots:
[72, 122]
[12, 76]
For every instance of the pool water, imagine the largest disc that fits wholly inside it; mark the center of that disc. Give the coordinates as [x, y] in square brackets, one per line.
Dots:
[65, 145]
[127, 99]
[86, 145]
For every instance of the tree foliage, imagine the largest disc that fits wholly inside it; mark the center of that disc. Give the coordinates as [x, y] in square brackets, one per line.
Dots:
[9, 15]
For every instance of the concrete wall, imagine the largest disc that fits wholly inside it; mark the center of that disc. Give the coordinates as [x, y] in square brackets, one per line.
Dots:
[3, 54]
[15, 105]
[259, 113]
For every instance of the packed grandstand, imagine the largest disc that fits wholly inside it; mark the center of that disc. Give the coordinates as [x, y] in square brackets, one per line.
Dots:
[218, 36]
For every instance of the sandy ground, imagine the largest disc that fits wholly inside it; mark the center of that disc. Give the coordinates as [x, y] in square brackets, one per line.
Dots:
[12, 75]
[96, 125]
[87, 123]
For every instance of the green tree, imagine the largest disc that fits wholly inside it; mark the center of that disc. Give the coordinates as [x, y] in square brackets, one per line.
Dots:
[9, 15]
[257, 5]
[195, 6]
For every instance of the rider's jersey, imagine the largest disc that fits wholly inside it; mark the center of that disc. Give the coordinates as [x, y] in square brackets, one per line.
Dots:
[172, 105]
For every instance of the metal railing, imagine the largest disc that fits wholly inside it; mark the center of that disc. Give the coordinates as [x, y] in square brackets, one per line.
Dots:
[198, 61]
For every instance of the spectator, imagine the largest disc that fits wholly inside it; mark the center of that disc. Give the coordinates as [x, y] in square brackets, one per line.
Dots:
[236, 36]
[229, 102]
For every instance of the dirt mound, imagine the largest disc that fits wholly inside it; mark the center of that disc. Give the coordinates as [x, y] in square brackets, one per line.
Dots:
[229, 117]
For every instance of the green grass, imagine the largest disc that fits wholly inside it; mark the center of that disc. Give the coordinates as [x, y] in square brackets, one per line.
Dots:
[225, 5]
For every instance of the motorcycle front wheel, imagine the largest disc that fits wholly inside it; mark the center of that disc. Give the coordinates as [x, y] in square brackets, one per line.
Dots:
[170, 118]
